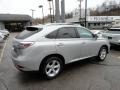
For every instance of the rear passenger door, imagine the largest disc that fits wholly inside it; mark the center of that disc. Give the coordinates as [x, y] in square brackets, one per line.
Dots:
[68, 44]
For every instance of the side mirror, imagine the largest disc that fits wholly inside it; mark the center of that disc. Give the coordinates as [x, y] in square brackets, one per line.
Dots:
[95, 36]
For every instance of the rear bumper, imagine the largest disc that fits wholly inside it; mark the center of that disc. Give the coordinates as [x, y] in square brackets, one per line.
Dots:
[25, 64]
[20, 66]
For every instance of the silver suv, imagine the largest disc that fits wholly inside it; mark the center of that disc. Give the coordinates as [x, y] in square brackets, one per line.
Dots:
[48, 48]
[113, 35]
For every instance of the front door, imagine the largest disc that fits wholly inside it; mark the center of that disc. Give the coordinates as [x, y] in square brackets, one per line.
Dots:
[90, 46]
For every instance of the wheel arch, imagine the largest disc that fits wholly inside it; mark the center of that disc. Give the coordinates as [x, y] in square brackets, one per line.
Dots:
[105, 47]
[52, 55]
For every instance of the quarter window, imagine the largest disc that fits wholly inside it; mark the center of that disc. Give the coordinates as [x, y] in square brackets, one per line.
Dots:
[84, 33]
[67, 32]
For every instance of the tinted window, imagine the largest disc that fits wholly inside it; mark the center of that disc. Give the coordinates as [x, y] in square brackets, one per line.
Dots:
[28, 32]
[66, 32]
[114, 29]
[84, 33]
[52, 35]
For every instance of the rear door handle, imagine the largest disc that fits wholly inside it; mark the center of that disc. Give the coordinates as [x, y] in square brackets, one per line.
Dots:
[60, 44]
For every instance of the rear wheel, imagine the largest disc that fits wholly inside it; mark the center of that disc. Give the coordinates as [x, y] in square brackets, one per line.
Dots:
[102, 54]
[51, 67]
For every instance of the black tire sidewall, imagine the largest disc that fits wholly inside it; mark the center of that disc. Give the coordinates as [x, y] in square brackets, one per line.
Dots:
[98, 57]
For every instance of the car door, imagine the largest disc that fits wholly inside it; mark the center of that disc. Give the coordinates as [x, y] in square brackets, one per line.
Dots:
[68, 44]
[90, 47]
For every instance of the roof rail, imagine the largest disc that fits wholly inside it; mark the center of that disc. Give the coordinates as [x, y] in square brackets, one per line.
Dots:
[61, 24]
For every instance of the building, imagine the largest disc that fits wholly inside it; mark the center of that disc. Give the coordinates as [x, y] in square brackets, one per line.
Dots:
[93, 22]
[116, 23]
[101, 21]
[14, 22]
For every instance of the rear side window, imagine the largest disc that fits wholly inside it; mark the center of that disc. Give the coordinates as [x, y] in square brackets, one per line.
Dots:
[67, 32]
[28, 32]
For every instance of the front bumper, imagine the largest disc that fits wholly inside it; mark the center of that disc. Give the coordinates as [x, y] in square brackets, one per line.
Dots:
[114, 42]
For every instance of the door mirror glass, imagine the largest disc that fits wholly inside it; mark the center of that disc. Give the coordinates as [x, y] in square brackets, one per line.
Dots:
[95, 36]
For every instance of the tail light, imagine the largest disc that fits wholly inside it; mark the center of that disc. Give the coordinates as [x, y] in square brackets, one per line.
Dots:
[24, 45]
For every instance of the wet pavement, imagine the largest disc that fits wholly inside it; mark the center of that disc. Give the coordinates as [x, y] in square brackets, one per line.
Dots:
[82, 75]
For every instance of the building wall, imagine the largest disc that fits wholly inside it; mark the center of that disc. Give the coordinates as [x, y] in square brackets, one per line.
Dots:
[2, 26]
[96, 22]
[116, 22]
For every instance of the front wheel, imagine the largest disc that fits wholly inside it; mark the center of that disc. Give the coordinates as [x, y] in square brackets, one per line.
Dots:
[52, 67]
[102, 54]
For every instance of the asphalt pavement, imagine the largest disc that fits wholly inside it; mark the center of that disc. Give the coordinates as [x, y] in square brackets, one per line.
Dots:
[82, 75]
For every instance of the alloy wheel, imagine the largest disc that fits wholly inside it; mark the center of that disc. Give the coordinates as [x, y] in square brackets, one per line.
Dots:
[52, 68]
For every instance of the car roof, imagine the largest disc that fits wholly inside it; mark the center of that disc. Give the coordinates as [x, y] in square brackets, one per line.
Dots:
[56, 25]
[48, 29]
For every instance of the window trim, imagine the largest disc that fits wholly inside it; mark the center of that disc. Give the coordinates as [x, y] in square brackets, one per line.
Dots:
[52, 32]
[67, 38]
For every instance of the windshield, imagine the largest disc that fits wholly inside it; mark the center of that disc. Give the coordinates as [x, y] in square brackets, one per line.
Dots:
[28, 32]
[114, 31]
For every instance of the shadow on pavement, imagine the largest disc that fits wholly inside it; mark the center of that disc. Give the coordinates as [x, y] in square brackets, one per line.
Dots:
[26, 77]
[115, 48]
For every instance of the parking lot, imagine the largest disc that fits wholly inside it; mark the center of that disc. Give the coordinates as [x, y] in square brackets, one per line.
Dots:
[83, 75]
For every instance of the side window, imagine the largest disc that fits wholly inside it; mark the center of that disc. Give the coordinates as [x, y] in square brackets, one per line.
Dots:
[67, 32]
[52, 35]
[84, 33]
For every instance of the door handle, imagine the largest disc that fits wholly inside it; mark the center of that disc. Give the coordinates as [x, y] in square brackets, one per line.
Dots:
[60, 44]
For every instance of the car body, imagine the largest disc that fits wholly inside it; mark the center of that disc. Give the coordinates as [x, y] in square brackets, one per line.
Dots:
[35, 46]
[98, 32]
[2, 37]
[5, 32]
[113, 35]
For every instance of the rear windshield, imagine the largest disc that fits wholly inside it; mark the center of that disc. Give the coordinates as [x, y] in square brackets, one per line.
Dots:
[29, 31]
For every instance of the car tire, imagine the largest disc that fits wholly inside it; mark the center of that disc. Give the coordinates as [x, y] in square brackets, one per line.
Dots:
[51, 68]
[102, 54]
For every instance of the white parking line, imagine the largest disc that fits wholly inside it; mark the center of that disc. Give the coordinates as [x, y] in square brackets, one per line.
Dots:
[1, 56]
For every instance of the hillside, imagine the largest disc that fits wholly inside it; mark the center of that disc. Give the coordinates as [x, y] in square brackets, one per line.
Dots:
[111, 8]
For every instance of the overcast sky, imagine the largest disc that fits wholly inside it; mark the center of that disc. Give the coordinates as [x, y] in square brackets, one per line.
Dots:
[24, 6]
